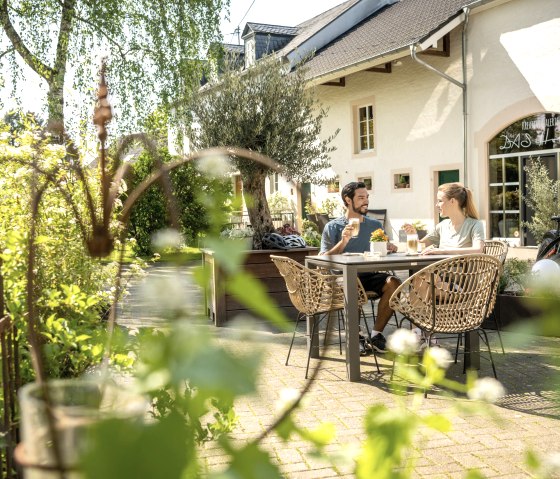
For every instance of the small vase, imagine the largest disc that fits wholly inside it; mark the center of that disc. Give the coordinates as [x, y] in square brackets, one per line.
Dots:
[378, 247]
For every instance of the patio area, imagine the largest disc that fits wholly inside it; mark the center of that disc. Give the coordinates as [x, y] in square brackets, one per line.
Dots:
[529, 414]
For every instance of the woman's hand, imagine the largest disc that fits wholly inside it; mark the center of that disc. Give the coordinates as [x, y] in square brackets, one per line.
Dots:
[432, 250]
[410, 230]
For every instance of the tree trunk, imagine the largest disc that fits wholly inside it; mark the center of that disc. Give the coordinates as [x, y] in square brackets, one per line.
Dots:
[257, 206]
[55, 100]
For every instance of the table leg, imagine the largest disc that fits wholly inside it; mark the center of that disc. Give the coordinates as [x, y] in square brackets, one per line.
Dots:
[472, 350]
[351, 319]
[312, 336]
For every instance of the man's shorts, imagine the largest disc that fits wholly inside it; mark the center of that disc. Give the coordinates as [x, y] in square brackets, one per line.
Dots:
[374, 281]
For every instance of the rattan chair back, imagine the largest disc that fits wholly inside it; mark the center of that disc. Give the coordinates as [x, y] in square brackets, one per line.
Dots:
[313, 291]
[496, 248]
[453, 295]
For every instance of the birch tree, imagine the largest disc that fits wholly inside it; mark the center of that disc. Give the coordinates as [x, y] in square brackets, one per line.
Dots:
[151, 46]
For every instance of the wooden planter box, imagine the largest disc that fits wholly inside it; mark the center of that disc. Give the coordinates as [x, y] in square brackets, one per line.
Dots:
[511, 309]
[221, 307]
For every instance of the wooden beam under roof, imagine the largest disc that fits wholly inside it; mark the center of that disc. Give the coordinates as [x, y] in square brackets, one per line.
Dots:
[341, 82]
[445, 50]
[384, 69]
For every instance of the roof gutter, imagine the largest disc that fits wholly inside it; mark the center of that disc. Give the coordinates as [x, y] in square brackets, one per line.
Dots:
[463, 18]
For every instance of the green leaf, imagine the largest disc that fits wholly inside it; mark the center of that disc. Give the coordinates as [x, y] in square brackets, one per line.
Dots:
[439, 422]
[123, 449]
[250, 463]
[251, 292]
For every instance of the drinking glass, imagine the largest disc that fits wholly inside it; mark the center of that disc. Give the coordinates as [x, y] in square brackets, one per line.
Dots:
[412, 243]
[355, 223]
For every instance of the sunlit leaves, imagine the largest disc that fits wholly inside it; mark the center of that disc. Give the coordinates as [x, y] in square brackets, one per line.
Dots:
[123, 449]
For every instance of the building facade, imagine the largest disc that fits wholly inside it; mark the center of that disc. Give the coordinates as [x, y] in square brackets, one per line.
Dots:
[430, 91]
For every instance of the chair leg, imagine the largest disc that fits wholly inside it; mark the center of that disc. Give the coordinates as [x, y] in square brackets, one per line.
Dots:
[309, 352]
[293, 337]
[340, 327]
[497, 322]
[459, 337]
[363, 317]
[489, 351]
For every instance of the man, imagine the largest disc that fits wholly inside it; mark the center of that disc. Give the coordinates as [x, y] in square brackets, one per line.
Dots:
[337, 239]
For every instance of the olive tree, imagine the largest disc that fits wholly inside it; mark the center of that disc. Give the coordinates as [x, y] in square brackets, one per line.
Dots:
[268, 110]
[150, 47]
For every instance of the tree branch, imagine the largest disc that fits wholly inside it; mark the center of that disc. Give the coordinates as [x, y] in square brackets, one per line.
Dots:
[43, 70]
[97, 29]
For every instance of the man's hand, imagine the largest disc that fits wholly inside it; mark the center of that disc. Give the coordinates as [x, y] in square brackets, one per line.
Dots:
[391, 248]
[410, 230]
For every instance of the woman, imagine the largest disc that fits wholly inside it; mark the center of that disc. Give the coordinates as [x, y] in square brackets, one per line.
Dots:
[462, 232]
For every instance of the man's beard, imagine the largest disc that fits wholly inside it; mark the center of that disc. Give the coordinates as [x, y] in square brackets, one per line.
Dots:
[359, 210]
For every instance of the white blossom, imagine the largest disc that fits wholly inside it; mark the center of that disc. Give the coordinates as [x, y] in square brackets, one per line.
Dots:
[551, 465]
[215, 166]
[167, 238]
[403, 341]
[487, 389]
[441, 356]
[286, 399]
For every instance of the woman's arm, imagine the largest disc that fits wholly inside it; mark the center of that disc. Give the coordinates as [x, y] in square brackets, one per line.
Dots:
[477, 247]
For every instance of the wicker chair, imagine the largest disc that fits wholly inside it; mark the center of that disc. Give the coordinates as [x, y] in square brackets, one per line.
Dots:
[313, 293]
[452, 296]
[499, 250]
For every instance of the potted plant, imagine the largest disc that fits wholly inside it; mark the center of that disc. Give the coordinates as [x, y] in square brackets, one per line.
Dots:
[420, 228]
[378, 242]
[511, 302]
[244, 233]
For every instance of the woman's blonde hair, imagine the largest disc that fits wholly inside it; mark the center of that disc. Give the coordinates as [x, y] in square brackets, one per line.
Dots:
[462, 195]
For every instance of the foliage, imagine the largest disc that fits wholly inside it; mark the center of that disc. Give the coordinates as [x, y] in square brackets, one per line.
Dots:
[266, 110]
[75, 289]
[278, 203]
[378, 235]
[418, 225]
[310, 207]
[515, 276]
[542, 197]
[237, 233]
[150, 213]
[329, 206]
[150, 46]
[311, 233]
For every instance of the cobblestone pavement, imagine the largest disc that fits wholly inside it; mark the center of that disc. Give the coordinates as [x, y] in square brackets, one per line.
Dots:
[529, 415]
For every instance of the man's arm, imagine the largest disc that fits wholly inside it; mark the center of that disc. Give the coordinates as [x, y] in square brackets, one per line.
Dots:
[331, 245]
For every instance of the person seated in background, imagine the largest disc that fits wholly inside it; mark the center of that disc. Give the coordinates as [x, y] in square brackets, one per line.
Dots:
[462, 232]
[337, 238]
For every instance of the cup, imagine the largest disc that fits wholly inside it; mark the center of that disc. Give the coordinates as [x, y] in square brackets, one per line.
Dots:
[355, 223]
[412, 243]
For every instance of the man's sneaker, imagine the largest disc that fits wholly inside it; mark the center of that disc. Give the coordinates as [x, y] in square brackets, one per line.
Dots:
[378, 343]
[365, 347]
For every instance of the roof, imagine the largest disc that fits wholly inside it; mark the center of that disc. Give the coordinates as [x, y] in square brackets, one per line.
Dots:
[251, 27]
[391, 29]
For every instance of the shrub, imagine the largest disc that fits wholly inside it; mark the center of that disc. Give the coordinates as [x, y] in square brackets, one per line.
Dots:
[542, 198]
[73, 288]
[150, 212]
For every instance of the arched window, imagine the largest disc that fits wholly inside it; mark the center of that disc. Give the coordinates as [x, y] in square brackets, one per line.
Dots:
[535, 136]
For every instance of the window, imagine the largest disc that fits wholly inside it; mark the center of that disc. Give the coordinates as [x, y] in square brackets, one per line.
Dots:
[366, 180]
[249, 52]
[334, 187]
[402, 180]
[365, 128]
[273, 178]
